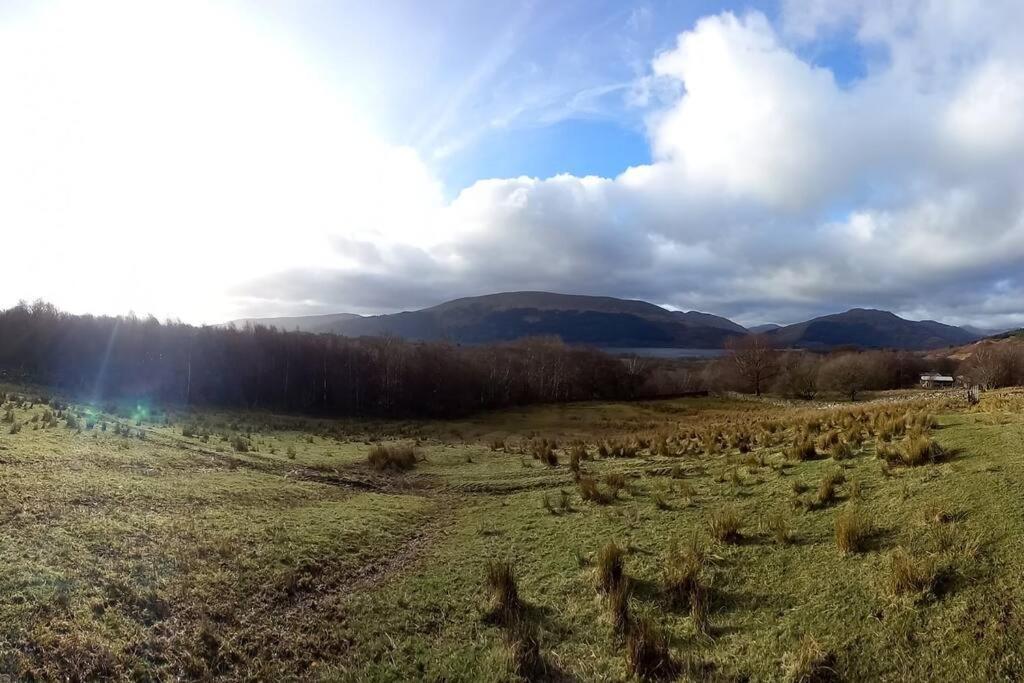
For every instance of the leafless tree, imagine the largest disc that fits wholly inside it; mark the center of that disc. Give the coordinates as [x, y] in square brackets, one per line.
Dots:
[755, 360]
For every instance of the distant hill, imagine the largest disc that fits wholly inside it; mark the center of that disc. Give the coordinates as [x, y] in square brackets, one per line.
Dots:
[869, 328]
[761, 329]
[576, 319]
[1013, 338]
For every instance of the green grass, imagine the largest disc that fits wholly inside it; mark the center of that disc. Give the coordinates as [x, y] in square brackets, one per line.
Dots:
[174, 556]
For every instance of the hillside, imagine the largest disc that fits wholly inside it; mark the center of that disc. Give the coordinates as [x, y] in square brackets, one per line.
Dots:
[869, 328]
[1012, 339]
[576, 319]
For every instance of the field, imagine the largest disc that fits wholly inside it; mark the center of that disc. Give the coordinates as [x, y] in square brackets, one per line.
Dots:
[719, 539]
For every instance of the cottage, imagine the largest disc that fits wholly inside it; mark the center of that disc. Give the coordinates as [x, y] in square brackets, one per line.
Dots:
[930, 380]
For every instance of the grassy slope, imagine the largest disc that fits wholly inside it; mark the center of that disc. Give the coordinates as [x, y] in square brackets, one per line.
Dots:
[173, 556]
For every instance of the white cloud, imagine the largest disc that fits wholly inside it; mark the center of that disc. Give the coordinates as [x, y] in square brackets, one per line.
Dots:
[774, 190]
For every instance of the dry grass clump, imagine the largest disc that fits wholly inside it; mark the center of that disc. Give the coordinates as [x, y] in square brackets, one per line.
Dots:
[615, 481]
[852, 530]
[725, 525]
[524, 655]
[810, 663]
[827, 487]
[910, 575]
[919, 449]
[505, 605]
[610, 567]
[620, 613]
[647, 651]
[681, 573]
[590, 491]
[841, 451]
[802, 449]
[777, 525]
[396, 458]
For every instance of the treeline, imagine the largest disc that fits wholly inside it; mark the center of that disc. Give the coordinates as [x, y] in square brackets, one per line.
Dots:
[103, 358]
[754, 366]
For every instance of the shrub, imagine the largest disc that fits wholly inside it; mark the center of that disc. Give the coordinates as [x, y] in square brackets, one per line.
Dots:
[610, 572]
[647, 651]
[503, 591]
[15, 428]
[852, 530]
[398, 458]
[725, 525]
[240, 444]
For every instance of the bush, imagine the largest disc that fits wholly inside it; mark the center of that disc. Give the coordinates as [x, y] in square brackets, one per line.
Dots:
[725, 525]
[398, 458]
[852, 530]
[610, 571]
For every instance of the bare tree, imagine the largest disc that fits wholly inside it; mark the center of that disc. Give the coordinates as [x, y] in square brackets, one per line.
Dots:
[798, 376]
[754, 358]
[849, 373]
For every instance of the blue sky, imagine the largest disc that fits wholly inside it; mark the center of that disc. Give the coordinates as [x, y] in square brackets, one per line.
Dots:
[767, 161]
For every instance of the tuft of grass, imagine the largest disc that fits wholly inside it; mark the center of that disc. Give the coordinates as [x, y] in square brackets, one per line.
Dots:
[725, 525]
[398, 458]
[852, 530]
[841, 451]
[647, 651]
[919, 449]
[809, 663]
[910, 575]
[590, 491]
[619, 610]
[610, 567]
[524, 654]
[802, 449]
[503, 591]
[681, 574]
[778, 526]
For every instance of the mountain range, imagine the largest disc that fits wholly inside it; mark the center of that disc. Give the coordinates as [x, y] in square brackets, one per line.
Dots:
[610, 322]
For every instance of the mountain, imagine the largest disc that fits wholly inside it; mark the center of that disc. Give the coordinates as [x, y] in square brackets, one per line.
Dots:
[698, 318]
[302, 323]
[761, 329]
[986, 331]
[869, 328]
[576, 319]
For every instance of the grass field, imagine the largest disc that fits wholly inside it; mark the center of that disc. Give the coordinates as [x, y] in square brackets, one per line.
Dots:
[758, 541]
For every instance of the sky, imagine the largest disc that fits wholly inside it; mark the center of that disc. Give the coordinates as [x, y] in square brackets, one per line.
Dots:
[767, 161]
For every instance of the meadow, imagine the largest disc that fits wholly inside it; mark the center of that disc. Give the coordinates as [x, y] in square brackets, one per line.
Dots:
[687, 539]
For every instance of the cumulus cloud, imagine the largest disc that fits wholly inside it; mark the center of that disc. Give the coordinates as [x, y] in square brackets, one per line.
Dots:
[775, 191]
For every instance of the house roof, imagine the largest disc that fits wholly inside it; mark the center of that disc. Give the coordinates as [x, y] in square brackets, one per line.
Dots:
[935, 377]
